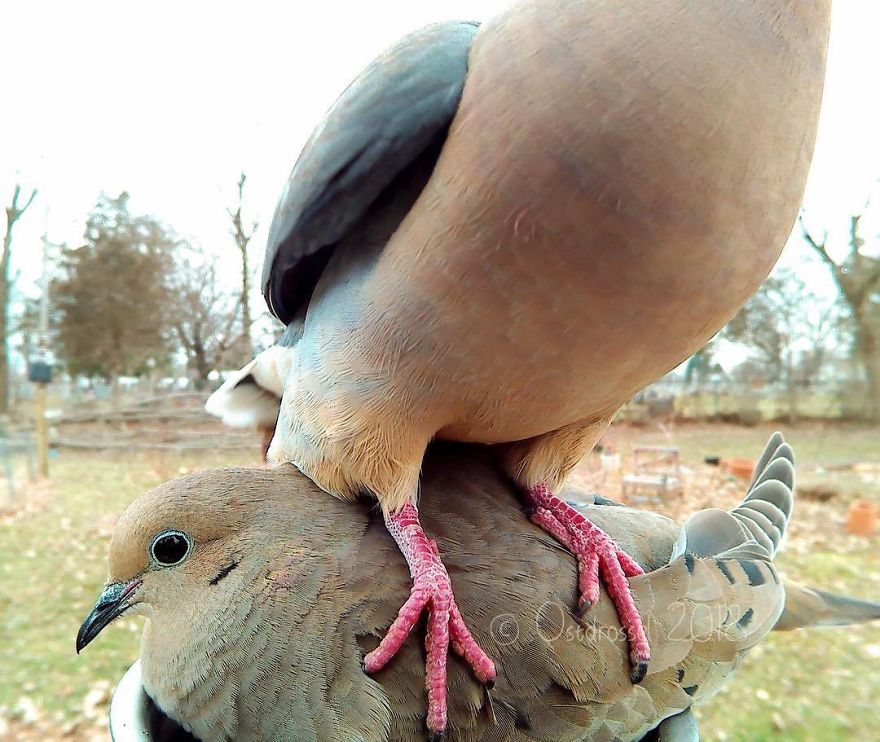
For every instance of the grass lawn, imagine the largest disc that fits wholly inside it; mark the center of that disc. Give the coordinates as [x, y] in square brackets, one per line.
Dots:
[817, 685]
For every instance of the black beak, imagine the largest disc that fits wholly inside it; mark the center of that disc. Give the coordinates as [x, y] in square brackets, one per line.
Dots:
[112, 603]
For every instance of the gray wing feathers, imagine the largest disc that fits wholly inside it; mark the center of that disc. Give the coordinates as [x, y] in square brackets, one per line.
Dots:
[776, 440]
[760, 527]
[710, 532]
[679, 728]
[756, 527]
[393, 111]
[767, 507]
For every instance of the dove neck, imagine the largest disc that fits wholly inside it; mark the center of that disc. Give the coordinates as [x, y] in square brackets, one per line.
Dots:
[191, 657]
[215, 679]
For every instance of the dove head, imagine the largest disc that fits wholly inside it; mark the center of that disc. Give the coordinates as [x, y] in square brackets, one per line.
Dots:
[181, 553]
[211, 560]
[161, 529]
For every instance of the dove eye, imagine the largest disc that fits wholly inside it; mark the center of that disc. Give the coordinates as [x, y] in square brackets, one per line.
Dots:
[170, 548]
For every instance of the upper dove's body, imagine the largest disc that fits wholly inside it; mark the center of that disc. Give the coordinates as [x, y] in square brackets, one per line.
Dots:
[616, 180]
[259, 631]
[499, 234]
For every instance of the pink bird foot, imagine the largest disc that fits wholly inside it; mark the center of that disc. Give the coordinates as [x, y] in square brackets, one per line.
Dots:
[432, 589]
[596, 553]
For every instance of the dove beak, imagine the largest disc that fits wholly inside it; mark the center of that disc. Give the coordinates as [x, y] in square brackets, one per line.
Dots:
[112, 603]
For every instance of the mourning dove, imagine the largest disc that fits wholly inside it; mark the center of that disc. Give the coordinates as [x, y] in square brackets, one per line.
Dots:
[499, 234]
[261, 607]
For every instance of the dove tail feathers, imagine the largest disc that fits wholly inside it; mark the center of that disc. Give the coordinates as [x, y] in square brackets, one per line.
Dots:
[251, 395]
[244, 405]
[806, 607]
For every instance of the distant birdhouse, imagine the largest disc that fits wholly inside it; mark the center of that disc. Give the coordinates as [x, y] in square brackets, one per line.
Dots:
[40, 367]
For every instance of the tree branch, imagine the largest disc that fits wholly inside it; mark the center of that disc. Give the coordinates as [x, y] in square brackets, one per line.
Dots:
[819, 247]
[855, 242]
[14, 209]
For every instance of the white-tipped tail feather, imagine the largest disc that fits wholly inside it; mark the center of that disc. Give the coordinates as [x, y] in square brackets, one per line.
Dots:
[252, 395]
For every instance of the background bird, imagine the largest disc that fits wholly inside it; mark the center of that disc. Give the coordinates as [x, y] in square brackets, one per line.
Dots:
[262, 606]
[500, 234]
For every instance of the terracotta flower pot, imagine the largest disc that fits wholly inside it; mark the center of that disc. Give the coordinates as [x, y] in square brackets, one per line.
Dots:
[862, 519]
[740, 468]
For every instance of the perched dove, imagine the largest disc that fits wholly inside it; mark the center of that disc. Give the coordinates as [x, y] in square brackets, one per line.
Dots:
[261, 607]
[499, 234]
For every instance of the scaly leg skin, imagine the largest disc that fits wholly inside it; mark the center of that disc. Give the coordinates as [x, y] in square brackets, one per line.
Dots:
[596, 553]
[432, 589]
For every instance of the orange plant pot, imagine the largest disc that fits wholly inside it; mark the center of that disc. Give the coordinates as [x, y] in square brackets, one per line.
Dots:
[740, 468]
[862, 518]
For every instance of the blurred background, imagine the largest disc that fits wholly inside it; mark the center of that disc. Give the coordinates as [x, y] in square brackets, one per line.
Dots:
[142, 150]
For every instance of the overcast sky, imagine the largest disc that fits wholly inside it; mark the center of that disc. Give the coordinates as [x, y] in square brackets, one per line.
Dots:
[171, 100]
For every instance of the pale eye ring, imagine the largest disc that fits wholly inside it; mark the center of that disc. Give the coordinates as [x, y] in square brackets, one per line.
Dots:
[170, 548]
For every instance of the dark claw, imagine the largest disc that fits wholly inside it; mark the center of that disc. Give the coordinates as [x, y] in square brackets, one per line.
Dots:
[584, 608]
[640, 669]
[436, 737]
[529, 510]
[490, 685]
[489, 706]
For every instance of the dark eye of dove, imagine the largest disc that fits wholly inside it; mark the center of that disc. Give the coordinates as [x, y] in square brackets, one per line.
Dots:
[170, 548]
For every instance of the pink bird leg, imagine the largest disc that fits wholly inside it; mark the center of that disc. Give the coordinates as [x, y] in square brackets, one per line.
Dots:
[595, 553]
[432, 589]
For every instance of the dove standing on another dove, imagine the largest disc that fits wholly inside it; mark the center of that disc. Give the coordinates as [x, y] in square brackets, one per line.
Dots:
[260, 608]
[499, 234]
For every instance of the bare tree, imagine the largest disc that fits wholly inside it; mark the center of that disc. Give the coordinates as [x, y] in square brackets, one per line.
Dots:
[790, 333]
[204, 317]
[702, 364]
[242, 237]
[858, 278]
[13, 213]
